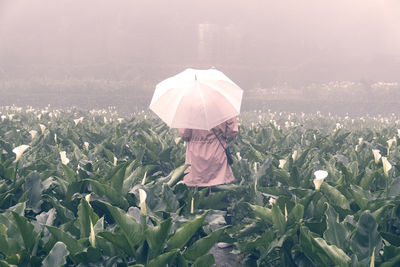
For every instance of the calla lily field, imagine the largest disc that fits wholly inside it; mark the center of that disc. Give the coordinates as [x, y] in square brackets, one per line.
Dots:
[97, 188]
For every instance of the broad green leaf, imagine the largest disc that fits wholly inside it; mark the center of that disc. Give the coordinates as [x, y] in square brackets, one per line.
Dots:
[320, 252]
[334, 196]
[366, 237]
[360, 196]
[185, 232]
[163, 259]
[72, 244]
[85, 216]
[335, 254]
[336, 233]
[262, 212]
[394, 189]
[278, 219]
[157, 236]
[177, 174]
[114, 196]
[131, 229]
[117, 176]
[204, 261]
[3, 239]
[26, 230]
[203, 245]
[393, 239]
[57, 256]
[69, 174]
[32, 187]
[296, 214]
[119, 241]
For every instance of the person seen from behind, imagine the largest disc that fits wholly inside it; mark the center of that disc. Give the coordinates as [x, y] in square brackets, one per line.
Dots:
[205, 152]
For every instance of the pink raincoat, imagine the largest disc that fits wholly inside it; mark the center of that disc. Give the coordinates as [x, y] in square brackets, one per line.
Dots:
[206, 156]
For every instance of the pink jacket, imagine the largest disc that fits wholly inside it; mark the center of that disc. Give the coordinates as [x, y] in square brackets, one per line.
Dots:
[206, 156]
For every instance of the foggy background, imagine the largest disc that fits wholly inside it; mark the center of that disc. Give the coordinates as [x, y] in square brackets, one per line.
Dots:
[334, 56]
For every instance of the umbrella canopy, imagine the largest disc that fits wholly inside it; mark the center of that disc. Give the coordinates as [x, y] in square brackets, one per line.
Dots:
[196, 99]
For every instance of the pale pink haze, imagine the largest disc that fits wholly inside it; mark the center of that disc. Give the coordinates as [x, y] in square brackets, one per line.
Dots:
[206, 156]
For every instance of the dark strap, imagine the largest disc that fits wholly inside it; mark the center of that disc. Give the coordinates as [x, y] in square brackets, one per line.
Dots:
[218, 139]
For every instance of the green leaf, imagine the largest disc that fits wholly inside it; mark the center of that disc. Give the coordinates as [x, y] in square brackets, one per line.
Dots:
[32, 187]
[118, 240]
[334, 196]
[336, 255]
[26, 230]
[366, 237]
[278, 219]
[203, 245]
[204, 261]
[296, 214]
[57, 256]
[360, 196]
[282, 176]
[157, 236]
[114, 196]
[163, 259]
[69, 174]
[131, 229]
[393, 239]
[320, 252]
[336, 233]
[262, 212]
[72, 244]
[185, 232]
[394, 189]
[177, 174]
[3, 239]
[117, 176]
[85, 216]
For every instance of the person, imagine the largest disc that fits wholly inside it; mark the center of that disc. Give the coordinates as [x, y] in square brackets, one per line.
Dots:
[206, 155]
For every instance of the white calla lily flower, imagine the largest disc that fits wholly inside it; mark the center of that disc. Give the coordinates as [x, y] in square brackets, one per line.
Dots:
[92, 238]
[64, 159]
[77, 121]
[377, 155]
[33, 133]
[192, 206]
[3, 117]
[42, 128]
[286, 213]
[238, 156]
[282, 163]
[142, 201]
[19, 150]
[390, 144]
[294, 155]
[86, 144]
[115, 161]
[386, 166]
[320, 176]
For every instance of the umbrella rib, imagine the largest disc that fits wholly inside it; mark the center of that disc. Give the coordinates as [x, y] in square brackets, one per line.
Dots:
[177, 106]
[203, 101]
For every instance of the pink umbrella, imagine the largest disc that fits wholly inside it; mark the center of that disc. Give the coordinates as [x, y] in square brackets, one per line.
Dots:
[196, 99]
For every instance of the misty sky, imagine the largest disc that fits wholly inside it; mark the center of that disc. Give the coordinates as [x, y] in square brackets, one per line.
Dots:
[265, 40]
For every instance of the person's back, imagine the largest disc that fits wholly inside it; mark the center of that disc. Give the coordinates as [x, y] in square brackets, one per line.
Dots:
[206, 154]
